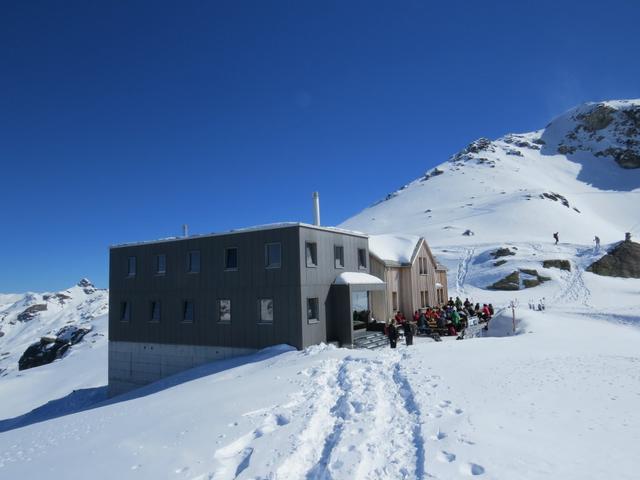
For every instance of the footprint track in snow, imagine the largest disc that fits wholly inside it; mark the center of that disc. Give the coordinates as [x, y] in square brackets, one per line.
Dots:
[446, 457]
[235, 457]
[472, 469]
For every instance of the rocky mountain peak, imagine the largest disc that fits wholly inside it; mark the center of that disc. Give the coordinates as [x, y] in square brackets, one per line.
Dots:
[604, 129]
[85, 282]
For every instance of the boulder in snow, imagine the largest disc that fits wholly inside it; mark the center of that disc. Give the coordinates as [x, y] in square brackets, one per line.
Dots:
[622, 261]
[51, 347]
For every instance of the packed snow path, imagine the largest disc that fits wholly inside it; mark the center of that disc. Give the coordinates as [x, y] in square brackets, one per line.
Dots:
[351, 404]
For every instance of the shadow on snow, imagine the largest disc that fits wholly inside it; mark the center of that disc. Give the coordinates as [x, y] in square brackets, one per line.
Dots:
[90, 398]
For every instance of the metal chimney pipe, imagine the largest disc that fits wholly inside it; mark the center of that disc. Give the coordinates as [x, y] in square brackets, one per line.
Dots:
[316, 209]
[185, 230]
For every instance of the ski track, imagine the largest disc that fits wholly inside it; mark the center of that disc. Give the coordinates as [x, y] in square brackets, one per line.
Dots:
[463, 269]
[575, 289]
[360, 420]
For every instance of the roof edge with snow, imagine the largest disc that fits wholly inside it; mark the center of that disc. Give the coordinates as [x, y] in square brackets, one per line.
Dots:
[268, 226]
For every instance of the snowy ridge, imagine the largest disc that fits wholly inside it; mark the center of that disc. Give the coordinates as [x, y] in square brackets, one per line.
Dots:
[521, 187]
[24, 319]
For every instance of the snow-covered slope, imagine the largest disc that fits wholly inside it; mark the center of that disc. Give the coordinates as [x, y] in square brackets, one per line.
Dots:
[559, 400]
[556, 399]
[24, 319]
[523, 187]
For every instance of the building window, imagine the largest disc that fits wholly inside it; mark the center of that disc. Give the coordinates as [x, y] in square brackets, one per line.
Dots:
[338, 255]
[231, 258]
[131, 267]
[272, 255]
[224, 310]
[424, 299]
[362, 258]
[312, 310]
[311, 250]
[188, 313]
[125, 311]
[193, 261]
[161, 264]
[266, 310]
[394, 301]
[423, 265]
[155, 311]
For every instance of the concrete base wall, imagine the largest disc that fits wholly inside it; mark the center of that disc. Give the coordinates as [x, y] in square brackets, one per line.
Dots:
[133, 364]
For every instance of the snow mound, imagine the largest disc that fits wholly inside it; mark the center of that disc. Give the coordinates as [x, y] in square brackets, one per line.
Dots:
[357, 278]
[395, 248]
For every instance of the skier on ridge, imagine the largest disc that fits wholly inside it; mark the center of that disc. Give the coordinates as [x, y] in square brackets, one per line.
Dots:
[556, 237]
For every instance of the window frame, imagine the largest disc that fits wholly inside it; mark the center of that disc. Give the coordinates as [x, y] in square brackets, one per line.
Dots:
[315, 320]
[423, 265]
[261, 321]
[190, 263]
[153, 305]
[362, 265]
[313, 250]
[130, 273]
[337, 257]
[125, 308]
[224, 322]
[184, 311]
[424, 298]
[267, 257]
[395, 304]
[227, 268]
[160, 273]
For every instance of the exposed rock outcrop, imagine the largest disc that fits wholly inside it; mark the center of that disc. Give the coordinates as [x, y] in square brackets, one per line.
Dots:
[502, 252]
[622, 261]
[512, 281]
[561, 264]
[50, 348]
[31, 312]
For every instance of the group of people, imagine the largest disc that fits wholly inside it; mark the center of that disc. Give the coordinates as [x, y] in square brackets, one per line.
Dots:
[449, 319]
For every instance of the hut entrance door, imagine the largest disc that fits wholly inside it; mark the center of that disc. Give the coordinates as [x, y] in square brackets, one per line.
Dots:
[361, 309]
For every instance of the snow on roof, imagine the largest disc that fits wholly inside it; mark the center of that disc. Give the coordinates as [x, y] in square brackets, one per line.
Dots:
[268, 226]
[356, 278]
[393, 247]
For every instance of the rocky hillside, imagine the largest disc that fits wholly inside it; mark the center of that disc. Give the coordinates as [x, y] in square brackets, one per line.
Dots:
[578, 176]
[608, 130]
[68, 327]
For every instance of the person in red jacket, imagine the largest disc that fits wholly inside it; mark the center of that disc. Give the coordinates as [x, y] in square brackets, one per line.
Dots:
[486, 313]
[416, 316]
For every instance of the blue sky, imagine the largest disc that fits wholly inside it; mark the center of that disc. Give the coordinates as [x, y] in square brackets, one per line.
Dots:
[120, 121]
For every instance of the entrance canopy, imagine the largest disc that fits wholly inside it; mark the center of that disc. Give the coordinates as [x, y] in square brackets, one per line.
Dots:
[360, 280]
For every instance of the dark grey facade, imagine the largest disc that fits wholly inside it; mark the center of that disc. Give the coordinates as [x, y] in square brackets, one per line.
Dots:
[162, 322]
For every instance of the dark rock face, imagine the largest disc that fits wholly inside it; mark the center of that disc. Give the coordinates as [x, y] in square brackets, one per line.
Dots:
[49, 349]
[434, 173]
[597, 119]
[556, 197]
[510, 282]
[606, 131]
[502, 252]
[31, 312]
[561, 264]
[499, 262]
[471, 151]
[626, 158]
[622, 261]
[61, 298]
